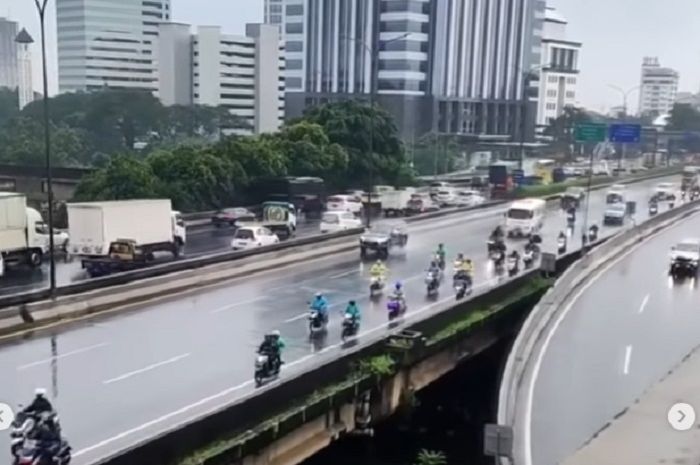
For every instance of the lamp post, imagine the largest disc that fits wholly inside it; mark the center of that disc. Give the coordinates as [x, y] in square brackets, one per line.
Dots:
[625, 94]
[41, 9]
[373, 52]
[526, 77]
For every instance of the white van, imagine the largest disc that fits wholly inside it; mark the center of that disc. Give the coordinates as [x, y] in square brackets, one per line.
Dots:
[525, 217]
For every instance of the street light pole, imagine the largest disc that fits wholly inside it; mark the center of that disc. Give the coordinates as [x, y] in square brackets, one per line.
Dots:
[41, 9]
[625, 94]
[374, 79]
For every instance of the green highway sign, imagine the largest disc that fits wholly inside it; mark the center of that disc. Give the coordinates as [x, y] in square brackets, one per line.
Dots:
[590, 132]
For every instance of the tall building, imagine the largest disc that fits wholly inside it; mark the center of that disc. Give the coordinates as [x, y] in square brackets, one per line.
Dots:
[108, 43]
[659, 87]
[240, 72]
[274, 13]
[559, 69]
[447, 66]
[25, 86]
[8, 53]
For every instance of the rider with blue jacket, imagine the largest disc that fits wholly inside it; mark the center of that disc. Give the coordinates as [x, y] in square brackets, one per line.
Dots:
[320, 305]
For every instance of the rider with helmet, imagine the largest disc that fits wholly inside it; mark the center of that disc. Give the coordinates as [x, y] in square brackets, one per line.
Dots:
[272, 346]
[40, 404]
[320, 305]
[440, 253]
[378, 270]
[353, 311]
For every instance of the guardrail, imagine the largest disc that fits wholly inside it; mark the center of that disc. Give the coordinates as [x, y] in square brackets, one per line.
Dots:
[566, 286]
[179, 265]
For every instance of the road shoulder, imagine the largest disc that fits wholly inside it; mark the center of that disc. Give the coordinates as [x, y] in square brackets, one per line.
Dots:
[642, 435]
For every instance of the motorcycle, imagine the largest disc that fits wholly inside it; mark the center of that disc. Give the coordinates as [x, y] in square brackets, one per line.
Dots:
[21, 427]
[440, 261]
[432, 281]
[513, 266]
[350, 326]
[528, 258]
[376, 285]
[561, 245]
[592, 234]
[462, 284]
[31, 454]
[263, 370]
[396, 307]
[317, 322]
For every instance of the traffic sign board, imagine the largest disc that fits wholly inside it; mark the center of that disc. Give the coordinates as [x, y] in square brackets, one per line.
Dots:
[590, 132]
[625, 133]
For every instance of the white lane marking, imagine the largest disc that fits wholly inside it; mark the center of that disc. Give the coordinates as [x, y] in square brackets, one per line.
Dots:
[236, 304]
[645, 301]
[146, 368]
[550, 335]
[161, 419]
[628, 355]
[298, 317]
[343, 274]
[64, 355]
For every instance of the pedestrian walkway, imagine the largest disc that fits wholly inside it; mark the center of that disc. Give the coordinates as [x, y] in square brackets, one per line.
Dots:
[644, 434]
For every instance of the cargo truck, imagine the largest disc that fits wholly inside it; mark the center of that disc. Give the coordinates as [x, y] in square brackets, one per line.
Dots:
[123, 235]
[22, 236]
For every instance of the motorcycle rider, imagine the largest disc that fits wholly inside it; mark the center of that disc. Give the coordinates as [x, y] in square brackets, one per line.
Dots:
[497, 234]
[378, 270]
[320, 305]
[353, 311]
[464, 270]
[434, 268]
[40, 404]
[272, 346]
[571, 215]
[441, 253]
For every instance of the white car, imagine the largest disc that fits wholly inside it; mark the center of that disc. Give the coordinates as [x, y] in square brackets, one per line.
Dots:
[468, 198]
[251, 237]
[665, 191]
[346, 203]
[445, 196]
[339, 221]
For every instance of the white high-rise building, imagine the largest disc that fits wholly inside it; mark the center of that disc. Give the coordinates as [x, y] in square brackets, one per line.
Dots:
[8, 53]
[109, 43]
[559, 69]
[659, 87]
[243, 73]
[274, 13]
[25, 86]
[448, 66]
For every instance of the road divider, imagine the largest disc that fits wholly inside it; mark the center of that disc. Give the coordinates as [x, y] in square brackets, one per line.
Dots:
[9, 303]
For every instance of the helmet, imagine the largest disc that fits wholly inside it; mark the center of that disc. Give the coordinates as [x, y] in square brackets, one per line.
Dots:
[433, 264]
[441, 245]
[397, 285]
[352, 302]
[378, 262]
[318, 295]
[460, 256]
[40, 392]
[469, 260]
[275, 333]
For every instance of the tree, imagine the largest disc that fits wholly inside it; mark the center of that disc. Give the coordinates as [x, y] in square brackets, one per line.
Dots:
[309, 152]
[349, 124]
[123, 178]
[9, 104]
[430, 457]
[684, 118]
[258, 156]
[196, 178]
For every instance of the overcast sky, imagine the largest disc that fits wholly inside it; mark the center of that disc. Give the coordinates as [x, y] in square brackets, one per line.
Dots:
[616, 34]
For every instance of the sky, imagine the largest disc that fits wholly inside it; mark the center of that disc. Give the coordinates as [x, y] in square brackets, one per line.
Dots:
[616, 35]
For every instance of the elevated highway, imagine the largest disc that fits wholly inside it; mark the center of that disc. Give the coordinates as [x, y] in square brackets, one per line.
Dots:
[121, 379]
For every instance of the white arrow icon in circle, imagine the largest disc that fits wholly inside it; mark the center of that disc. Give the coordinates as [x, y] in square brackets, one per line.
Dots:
[681, 416]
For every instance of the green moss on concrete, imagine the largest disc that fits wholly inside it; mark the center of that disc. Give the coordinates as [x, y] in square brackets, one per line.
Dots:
[475, 317]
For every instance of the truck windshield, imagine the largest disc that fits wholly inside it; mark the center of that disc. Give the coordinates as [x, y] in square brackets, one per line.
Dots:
[330, 218]
[520, 214]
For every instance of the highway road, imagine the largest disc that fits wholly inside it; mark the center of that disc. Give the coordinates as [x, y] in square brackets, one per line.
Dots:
[200, 241]
[625, 331]
[118, 379]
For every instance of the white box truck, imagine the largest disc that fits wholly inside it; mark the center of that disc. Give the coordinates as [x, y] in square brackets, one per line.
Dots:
[22, 236]
[394, 203]
[122, 235]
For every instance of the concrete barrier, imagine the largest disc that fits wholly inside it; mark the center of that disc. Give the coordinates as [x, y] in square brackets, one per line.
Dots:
[567, 285]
